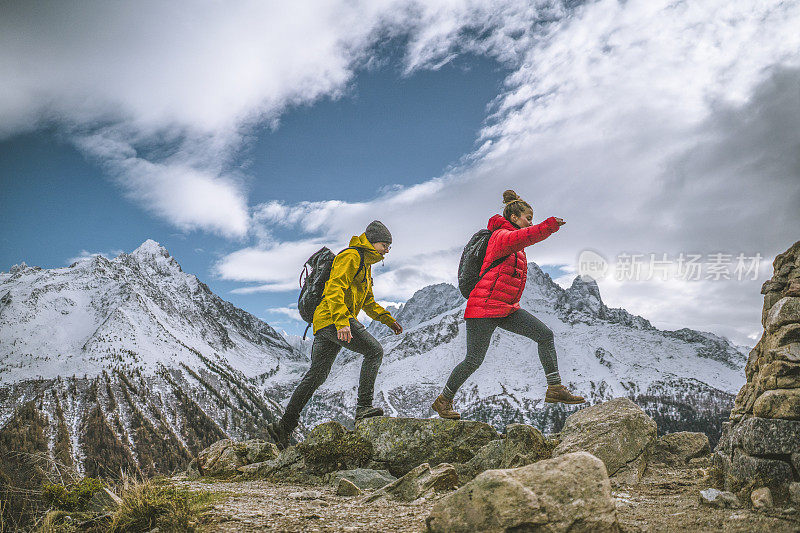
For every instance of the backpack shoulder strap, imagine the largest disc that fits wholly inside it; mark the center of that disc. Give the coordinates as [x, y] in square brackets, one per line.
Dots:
[361, 261]
[494, 263]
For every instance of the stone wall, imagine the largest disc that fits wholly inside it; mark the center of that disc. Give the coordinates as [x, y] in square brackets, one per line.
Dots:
[760, 444]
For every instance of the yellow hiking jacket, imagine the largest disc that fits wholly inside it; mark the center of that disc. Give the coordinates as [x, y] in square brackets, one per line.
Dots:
[344, 296]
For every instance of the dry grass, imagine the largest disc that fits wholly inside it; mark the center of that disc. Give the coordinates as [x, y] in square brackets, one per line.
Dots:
[146, 504]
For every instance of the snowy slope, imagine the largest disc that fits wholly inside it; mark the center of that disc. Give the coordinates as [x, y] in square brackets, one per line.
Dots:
[143, 344]
[686, 379]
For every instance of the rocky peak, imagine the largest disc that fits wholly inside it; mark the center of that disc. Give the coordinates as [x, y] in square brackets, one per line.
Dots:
[18, 268]
[581, 302]
[149, 249]
[712, 346]
[154, 258]
[428, 303]
[585, 293]
[22, 268]
[540, 286]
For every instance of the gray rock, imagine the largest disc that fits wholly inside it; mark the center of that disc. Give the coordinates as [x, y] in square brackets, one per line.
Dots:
[747, 472]
[796, 461]
[404, 443]
[487, 457]
[305, 495]
[761, 498]
[225, 457]
[719, 499]
[785, 311]
[258, 450]
[365, 478]
[778, 403]
[288, 466]
[524, 445]
[617, 432]
[766, 436]
[347, 488]
[567, 493]
[678, 448]
[330, 447]
[421, 482]
[794, 493]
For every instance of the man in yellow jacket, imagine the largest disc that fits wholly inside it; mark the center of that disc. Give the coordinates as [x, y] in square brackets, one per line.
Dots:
[347, 291]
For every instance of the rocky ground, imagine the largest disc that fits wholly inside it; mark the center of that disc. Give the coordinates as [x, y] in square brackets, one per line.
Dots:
[666, 500]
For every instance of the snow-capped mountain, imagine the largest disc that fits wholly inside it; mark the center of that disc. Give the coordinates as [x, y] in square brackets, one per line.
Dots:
[133, 364]
[686, 379]
[134, 360]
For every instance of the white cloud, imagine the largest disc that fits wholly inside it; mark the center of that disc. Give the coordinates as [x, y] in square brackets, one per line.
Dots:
[289, 311]
[650, 126]
[276, 268]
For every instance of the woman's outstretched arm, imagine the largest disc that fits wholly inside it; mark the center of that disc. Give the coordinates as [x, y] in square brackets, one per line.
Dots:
[508, 242]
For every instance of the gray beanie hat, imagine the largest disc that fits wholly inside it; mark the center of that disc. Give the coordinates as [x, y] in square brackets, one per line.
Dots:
[377, 232]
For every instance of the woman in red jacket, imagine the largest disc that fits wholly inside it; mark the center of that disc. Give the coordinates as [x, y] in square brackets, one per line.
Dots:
[494, 302]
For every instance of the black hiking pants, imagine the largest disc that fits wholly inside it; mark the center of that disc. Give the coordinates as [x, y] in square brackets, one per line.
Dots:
[479, 333]
[323, 352]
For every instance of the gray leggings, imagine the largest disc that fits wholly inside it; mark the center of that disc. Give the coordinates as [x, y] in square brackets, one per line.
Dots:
[323, 352]
[479, 333]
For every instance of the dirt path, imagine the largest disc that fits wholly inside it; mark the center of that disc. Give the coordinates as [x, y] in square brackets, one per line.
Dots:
[265, 506]
[665, 501]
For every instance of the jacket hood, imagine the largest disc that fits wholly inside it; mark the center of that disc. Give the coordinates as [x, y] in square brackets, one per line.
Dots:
[500, 222]
[372, 255]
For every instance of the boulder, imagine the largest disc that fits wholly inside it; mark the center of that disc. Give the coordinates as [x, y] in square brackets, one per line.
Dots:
[765, 436]
[330, 447]
[618, 432]
[779, 374]
[784, 311]
[365, 478]
[778, 403]
[225, 457]
[747, 472]
[678, 448]
[719, 499]
[486, 458]
[789, 353]
[420, 482]
[287, 466]
[347, 488]
[524, 445]
[785, 336]
[794, 493]
[567, 493]
[761, 498]
[401, 444]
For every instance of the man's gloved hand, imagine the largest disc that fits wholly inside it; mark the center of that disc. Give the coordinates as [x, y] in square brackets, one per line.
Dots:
[397, 328]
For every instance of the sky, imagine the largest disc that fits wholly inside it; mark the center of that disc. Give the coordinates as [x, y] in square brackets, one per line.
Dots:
[243, 136]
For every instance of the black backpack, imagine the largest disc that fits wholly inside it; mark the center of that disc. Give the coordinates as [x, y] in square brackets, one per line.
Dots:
[469, 268]
[312, 283]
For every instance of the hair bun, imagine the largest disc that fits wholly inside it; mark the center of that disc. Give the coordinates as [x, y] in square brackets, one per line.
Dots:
[510, 196]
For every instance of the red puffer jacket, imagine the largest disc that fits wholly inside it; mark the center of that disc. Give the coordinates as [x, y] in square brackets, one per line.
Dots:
[497, 294]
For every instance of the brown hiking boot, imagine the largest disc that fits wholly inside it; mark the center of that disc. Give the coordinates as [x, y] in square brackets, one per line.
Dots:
[560, 394]
[444, 408]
